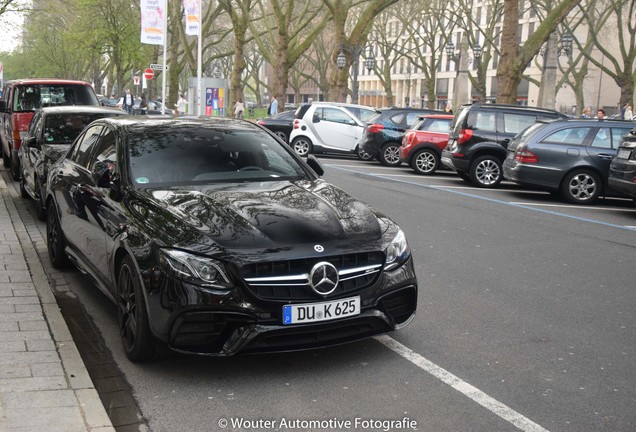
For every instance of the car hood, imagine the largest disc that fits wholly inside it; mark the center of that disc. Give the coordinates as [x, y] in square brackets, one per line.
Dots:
[265, 215]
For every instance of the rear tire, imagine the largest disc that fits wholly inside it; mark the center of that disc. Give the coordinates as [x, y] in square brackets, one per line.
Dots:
[362, 155]
[390, 155]
[425, 162]
[486, 172]
[282, 135]
[132, 316]
[55, 241]
[581, 187]
[302, 146]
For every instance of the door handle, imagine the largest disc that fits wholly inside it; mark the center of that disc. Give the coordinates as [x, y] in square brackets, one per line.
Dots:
[604, 156]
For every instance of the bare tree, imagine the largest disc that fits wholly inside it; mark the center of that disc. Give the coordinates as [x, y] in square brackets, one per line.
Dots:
[515, 57]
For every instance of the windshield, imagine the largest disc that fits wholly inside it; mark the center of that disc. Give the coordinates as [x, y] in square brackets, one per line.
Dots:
[198, 155]
[64, 128]
[33, 96]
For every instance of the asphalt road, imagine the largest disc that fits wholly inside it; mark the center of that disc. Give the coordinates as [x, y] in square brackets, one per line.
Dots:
[525, 322]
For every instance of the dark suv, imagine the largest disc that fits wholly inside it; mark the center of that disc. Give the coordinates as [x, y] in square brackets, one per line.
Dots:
[385, 130]
[622, 172]
[479, 137]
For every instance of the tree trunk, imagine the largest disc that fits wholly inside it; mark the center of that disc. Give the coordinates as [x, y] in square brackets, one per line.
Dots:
[509, 70]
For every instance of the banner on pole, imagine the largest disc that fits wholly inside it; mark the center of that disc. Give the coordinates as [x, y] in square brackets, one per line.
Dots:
[192, 10]
[153, 14]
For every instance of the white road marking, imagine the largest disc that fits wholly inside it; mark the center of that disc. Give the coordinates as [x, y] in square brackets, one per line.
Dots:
[491, 404]
[574, 206]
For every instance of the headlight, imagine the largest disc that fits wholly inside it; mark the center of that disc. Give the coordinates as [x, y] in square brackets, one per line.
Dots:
[194, 269]
[398, 252]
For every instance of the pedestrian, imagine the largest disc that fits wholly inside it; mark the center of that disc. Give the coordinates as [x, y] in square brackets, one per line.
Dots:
[238, 109]
[128, 102]
[143, 105]
[180, 105]
[623, 109]
[600, 114]
[587, 113]
[449, 108]
[629, 114]
[273, 107]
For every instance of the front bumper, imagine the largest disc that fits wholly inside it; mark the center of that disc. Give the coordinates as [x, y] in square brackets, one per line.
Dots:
[190, 319]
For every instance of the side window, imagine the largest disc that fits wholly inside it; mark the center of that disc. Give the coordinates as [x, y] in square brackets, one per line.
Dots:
[440, 126]
[617, 136]
[485, 121]
[602, 138]
[366, 114]
[26, 98]
[397, 119]
[85, 144]
[569, 136]
[515, 123]
[335, 115]
[411, 118]
[105, 151]
[33, 126]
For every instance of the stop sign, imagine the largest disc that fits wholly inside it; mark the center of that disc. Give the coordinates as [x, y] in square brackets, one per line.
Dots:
[149, 74]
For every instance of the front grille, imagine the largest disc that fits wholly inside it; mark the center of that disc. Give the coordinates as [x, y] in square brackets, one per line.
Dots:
[289, 280]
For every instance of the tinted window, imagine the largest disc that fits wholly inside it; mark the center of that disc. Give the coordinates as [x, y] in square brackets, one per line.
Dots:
[32, 97]
[104, 151]
[64, 128]
[602, 139]
[35, 121]
[84, 145]
[617, 136]
[570, 136]
[332, 115]
[515, 123]
[191, 155]
[485, 121]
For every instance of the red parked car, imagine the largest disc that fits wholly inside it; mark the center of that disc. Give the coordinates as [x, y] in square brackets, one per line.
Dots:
[422, 145]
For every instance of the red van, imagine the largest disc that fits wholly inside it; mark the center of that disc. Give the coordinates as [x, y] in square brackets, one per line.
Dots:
[20, 98]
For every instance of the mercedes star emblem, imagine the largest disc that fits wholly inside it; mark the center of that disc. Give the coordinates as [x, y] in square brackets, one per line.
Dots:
[323, 278]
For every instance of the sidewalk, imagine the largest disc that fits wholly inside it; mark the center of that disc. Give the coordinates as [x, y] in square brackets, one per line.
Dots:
[44, 385]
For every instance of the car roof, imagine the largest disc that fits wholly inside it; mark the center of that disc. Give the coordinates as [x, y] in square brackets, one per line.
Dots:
[140, 123]
[437, 116]
[22, 81]
[81, 109]
[342, 104]
[521, 108]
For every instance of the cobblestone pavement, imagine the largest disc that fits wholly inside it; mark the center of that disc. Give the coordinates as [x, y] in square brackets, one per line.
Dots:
[44, 384]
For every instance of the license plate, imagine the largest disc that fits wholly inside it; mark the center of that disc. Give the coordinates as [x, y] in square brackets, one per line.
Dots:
[325, 311]
[624, 154]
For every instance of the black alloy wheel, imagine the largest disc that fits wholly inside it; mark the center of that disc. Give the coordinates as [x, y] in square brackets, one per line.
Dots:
[23, 191]
[40, 205]
[581, 187]
[390, 155]
[362, 155]
[15, 168]
[134, 329]
[486, 172]
[55, 241]
[425, 162]
[282, 135]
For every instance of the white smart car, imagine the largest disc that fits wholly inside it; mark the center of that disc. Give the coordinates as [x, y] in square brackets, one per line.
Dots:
[329, 127]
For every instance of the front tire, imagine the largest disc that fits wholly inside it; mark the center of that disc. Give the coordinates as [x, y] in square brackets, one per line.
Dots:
[23, 191]
[581, 187]
[40, 205]
[15, 168]
[302, 146]
[390, 155]
[425, 162]
[55, 241]
[132, 315]
[486, 172]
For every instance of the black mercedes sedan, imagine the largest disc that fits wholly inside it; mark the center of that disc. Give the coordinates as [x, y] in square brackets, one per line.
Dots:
[212, 237]
[50, 134]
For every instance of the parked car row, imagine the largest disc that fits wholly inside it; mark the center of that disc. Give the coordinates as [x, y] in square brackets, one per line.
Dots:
[482, 143]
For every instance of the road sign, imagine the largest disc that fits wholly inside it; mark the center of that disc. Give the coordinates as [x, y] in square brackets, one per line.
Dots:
[136, 79]
[157, 67]
[149, 74]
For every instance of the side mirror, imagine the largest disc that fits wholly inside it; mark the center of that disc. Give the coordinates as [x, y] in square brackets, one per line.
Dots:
[315, 165]
[315, 119]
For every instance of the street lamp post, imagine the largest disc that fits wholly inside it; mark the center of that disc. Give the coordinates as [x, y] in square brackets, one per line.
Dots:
[551, 52]
[460, 93]
[355, 50]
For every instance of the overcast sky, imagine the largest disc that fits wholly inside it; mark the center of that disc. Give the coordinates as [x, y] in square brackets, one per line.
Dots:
[10, 28]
